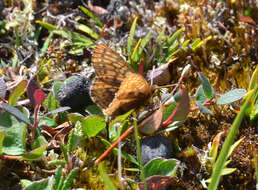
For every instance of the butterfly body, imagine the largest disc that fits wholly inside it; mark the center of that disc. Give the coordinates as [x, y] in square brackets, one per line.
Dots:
[117, 88]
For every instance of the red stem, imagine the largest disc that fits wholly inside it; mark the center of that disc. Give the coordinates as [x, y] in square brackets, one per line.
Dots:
[3, 100]
[35, 122]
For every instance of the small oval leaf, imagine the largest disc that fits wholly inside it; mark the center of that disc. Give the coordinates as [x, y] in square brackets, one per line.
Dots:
[39, 96]
[232, 96]
[203, 109]
[35, 154]
[207, 88]
[92, 125]
[161, 166]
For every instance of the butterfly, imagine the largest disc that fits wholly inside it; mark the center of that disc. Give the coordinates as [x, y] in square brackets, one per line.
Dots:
[117, 88]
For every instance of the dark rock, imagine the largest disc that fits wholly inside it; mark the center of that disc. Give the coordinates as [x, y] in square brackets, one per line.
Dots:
[155, 147]
[75, 93]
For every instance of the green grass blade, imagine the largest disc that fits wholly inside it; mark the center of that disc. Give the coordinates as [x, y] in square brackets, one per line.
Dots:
[46, 25]
[57, 176]
[142, 45]
[68, 181]
[46, 44]
[88, 31]
[108, 183]
[219, 165]
[138, 150]
[130, 39]
[173, 38]
[91, 15]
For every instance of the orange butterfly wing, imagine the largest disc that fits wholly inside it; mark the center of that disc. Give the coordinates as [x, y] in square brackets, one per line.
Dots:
[117, 88]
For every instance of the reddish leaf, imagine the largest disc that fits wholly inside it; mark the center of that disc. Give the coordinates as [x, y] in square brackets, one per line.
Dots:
[152, 123]
[31, 88]
[182, 108]
[157, 182]
[246, 19]
[39, 96]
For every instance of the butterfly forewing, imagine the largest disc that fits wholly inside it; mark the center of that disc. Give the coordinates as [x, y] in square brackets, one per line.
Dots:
[108, 62]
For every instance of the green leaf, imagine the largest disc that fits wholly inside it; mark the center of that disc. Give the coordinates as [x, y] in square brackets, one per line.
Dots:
[214, 147]
[161, 36]
[91, 15]
[15, 112]
[174, 37]
[35, 154]
[74, 117]
[161, 166]
[18, 91]
[144, 42]
[50, 102]
[207, 88]
[200, 97]
[46, 121]
[15, 59]
[55, 163]
[74, 37]
[57, 177]
[120, 121]
[232, 96]
[227, 171]
[44, 184]
[185, 44]
[198, 42]
[203, 109]
[46, 44]
[219, 165]
[69, 179]
[56, 88]
[88, 31]
[232, 147]
[24, 183]
[64, 150]
[92, 125]
[132, 169]
[46, 25]
[15, 138]
[71, 142]
[167, 110]
[130, 39]
[2, 135]
[181, 109]
[39, 141]
[94, 110]
[108, 183]
[254, 79]
[195, 44]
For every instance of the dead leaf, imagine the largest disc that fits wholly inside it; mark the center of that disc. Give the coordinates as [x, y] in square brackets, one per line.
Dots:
[160, 75]
[158, 182]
